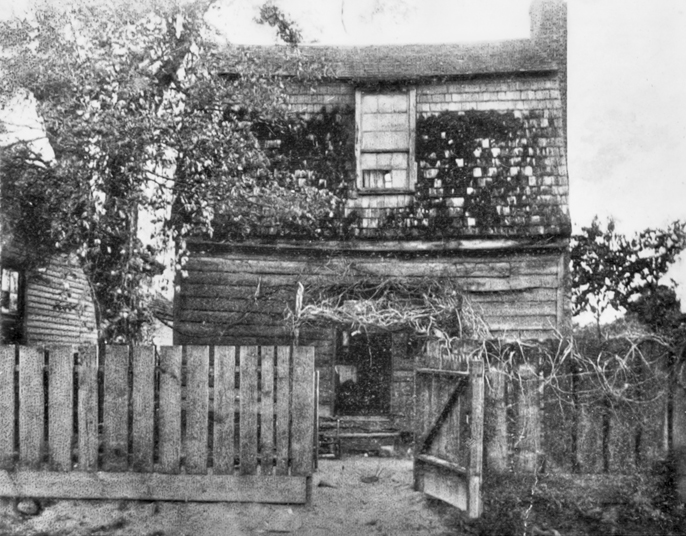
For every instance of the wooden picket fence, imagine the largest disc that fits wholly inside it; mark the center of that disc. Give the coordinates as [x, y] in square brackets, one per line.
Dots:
[191, 423]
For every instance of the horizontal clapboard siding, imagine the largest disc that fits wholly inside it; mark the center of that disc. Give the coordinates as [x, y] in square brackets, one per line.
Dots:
[228, 295]
[59, 305]
[241, 297]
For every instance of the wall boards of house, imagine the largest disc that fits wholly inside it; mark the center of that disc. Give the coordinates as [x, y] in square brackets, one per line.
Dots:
[240, 296]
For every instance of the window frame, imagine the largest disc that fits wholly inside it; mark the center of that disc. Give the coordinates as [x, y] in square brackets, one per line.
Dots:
[12, 320]
[411, 93]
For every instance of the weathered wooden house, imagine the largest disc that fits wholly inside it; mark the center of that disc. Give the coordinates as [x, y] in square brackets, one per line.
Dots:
[454, 166]
[51, 303]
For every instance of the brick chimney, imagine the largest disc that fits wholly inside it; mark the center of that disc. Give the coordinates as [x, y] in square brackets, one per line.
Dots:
[549, 34]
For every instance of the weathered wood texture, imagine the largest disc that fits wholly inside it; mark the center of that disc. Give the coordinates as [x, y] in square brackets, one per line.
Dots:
[184, 424]
[449, 430]
[564, 424]
[59, 305]
[239, 297]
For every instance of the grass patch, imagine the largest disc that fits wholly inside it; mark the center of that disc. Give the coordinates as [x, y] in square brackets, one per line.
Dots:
[576, 505]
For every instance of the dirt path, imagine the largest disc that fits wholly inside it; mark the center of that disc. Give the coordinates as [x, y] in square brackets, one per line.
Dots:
[387, 506]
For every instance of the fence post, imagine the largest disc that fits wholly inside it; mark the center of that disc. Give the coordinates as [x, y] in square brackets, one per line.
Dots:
[528, 443]
[476, 382]
[496, 443]
[679, 431]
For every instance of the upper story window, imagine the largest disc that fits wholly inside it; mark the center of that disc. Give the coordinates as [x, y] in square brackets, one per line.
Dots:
[385, 141]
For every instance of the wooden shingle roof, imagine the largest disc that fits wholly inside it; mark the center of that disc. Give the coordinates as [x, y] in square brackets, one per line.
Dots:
[410, 62]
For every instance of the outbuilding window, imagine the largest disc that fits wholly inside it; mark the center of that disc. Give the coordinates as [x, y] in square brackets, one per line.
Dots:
[385, 141]
[11, 305]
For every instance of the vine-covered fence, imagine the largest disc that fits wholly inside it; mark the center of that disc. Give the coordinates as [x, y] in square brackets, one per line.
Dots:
[195, 423]
[577, 408]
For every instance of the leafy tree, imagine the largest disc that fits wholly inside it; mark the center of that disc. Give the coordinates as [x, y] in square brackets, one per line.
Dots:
[611, 271]
[142, 119]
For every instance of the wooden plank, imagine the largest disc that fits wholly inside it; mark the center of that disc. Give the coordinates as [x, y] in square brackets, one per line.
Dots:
[224, 409]
[254, 266]
[234, 293]
[154, 486]
[526, 295]
[61, 408]
[229, 319]
[258, 268]
[358, 137]
[267, 411]
[303, 410]
[249, 409]
[442, 372]
[445, 485]
[433, 460]
[412, 114]
[88, 408]
[496, 406]
[115, 408]
[7, 409]
[516, 308]
[497, 246]
[241, 279]
[283, 406]
[522, 323]
[197, 399]
[170, 409]
[564, 311]
[143, 404]
[274, 305]
[269, 332]
[31, 405]
[476, 382]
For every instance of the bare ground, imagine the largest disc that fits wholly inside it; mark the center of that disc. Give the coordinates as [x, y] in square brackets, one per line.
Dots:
[355, 496]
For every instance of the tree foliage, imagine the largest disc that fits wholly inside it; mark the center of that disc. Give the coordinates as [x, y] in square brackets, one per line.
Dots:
[612, 271]
[141, 118]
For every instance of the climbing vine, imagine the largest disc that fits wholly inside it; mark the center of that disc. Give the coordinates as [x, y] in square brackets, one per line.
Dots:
[480, 172]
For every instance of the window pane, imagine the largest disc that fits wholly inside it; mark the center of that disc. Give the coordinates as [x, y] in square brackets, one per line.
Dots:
[376, 178]
[9, 297]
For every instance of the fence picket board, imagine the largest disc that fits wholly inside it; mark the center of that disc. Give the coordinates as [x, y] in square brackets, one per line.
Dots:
[283, 405]
[224, 409]
[302, 410]
[143, 395]
[476, 436]
[88, 408]
[7, 355]
[170, 409]
[267, 407]
[61, 409]
[115, 408]
[31, 407]
[249, 410]
[197, 399]
[276, 415]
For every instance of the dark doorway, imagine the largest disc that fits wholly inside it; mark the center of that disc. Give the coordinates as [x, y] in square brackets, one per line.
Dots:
[363, 374]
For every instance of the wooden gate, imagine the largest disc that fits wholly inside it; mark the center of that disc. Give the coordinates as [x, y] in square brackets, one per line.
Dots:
[193, 423]
[449, 431]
